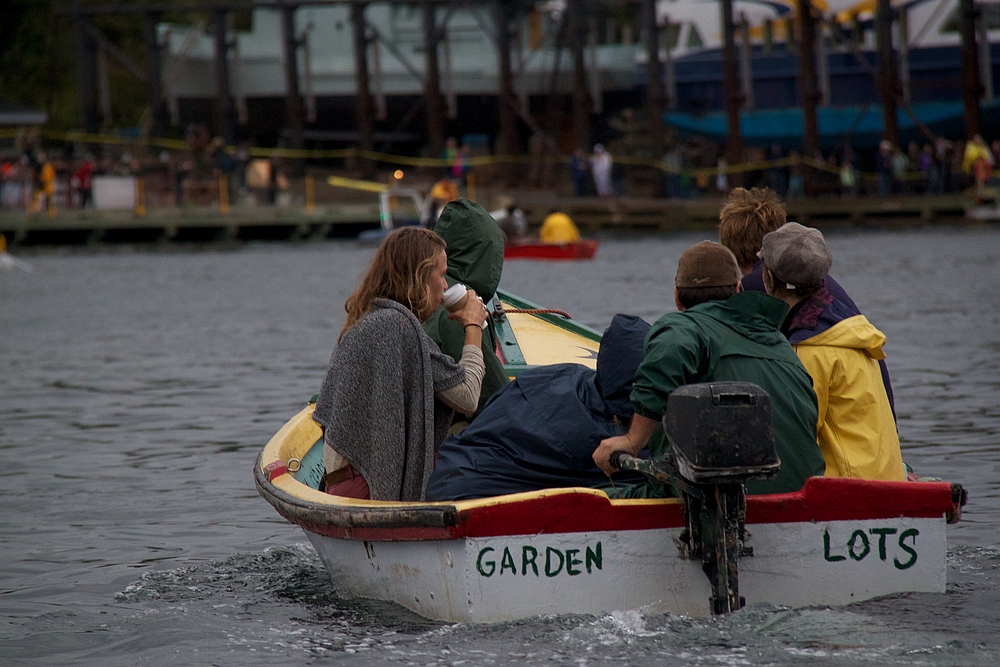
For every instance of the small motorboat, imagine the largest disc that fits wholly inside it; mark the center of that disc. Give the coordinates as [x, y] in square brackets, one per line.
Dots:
[398, 207]
[575, 550]
[583, 249]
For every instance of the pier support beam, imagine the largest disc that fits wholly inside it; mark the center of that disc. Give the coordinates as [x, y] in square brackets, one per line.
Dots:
[432, 83]
[807, 86]
[294, 110]
[972, 86]
[903, 39]
[731, 91]
[154, 84]
[577, 39]
[887, 71]
[86, 74]
[746, 69]
[985, 59]
[363, 105]
[507, 140]
[224, 109]
[654, 84]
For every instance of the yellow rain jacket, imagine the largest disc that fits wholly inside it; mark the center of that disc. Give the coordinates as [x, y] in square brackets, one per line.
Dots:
[558, 229]
[855, 429]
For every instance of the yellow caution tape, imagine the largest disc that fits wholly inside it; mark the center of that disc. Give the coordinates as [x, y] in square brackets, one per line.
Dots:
[470, 161]
[355, 184]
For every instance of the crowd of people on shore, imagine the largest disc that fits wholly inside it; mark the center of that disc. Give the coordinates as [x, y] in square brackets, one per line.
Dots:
[416, 404]
[40, 180]
[934, 167]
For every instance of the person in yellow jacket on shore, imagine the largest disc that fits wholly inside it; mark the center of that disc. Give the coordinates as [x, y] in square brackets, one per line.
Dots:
[855, 428]
[978, 161]
[557, 229]
[47, 186]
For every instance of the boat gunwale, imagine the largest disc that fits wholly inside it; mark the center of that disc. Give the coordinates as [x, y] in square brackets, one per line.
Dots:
[563, 509]
[552, 318]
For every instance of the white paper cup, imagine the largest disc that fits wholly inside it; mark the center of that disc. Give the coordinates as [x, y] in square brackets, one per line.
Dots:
[454, 297]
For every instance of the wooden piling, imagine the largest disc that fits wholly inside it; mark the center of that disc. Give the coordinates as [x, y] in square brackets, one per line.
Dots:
[432, 82]
[154, 82]
[731, 91]
[507, 141]
[577, 29]
[887, 71]
[294, 110]
[224, 108]
[363, 99]
[807, 87]
[972, 87]
[654, 83]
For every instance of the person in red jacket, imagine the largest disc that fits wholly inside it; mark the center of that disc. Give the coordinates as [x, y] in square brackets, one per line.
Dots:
[85, 181]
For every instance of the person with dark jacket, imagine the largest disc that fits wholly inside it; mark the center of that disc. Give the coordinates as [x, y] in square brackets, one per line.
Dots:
[720, 334]
[475, 259]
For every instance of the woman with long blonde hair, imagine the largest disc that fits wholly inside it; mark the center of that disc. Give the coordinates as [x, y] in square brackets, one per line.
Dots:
[390, 393]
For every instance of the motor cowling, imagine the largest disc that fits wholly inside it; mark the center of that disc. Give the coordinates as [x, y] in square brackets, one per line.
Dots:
[721, 432]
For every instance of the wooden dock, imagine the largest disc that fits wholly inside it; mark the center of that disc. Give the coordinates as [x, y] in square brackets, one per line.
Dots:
[189, 224]
[346, 219]
[592, 214]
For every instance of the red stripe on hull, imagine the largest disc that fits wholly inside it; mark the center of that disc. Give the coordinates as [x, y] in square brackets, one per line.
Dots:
[843, 499]
[566, 513]
[822, 499]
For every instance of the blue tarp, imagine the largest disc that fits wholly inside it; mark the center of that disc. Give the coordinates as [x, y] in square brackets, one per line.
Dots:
[861, 126]
[540, 431]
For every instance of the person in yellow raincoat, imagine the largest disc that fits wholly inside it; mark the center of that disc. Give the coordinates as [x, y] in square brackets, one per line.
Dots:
[978, 161]
[47, 183]
[855, 428]
[558, 229]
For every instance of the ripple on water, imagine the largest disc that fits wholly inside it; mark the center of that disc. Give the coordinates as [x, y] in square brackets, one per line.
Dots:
[137, 388]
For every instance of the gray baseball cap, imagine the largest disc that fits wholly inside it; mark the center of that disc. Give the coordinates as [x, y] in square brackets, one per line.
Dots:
[796, 255]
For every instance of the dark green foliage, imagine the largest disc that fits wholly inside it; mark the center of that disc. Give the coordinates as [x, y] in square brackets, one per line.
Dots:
[38, 57]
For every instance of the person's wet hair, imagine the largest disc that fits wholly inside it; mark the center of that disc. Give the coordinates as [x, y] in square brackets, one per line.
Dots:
[745, 218]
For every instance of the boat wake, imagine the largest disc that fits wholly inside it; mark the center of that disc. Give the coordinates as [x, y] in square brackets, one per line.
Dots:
[274, 607]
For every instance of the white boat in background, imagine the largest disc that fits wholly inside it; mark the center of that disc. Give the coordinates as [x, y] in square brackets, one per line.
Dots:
[575, 551]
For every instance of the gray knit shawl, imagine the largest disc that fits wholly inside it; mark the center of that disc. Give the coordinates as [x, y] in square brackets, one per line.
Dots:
[377, 402]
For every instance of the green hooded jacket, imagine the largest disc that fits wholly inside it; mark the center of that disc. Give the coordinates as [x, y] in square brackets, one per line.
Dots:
[475, 259]
[733, 340]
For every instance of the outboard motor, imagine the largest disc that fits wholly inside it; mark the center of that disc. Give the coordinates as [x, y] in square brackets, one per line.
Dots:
[721, 435]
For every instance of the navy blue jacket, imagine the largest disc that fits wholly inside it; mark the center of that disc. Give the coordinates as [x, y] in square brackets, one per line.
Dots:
[541, 430]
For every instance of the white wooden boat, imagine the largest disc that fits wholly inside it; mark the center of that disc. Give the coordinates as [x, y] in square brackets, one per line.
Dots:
[574, 550]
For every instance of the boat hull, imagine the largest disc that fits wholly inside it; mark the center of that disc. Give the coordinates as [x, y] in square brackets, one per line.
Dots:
[581, 250]
[575, 550]
[516, 576]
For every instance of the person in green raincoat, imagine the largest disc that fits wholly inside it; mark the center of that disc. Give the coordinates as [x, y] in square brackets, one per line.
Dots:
[721, 334]
[475, 259]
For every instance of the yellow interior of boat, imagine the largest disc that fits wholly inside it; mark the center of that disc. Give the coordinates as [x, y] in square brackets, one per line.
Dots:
[543, 343]
[294, 440]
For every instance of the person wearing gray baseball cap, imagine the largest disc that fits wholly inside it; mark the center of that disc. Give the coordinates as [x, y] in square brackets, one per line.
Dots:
[841, 350]
[720, 333]
[744, 219]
